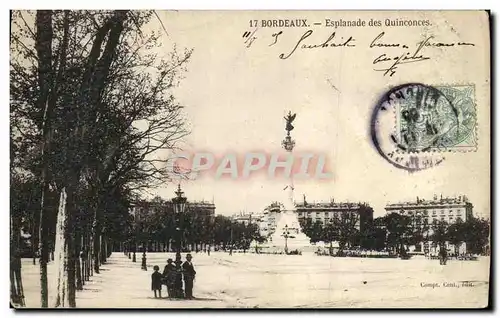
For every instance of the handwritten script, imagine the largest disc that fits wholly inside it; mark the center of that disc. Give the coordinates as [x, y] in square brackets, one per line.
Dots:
[389, 55]
[388, 63]
[332, 41]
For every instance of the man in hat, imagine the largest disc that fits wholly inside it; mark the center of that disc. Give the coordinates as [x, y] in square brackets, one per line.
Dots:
[189, 275]
[156, 281]
[169, 275]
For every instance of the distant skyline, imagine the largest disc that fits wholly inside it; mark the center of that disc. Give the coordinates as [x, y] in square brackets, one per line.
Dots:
[301, 200]
[235, 99]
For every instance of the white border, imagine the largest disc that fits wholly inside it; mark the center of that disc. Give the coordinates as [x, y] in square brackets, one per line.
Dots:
[199, 5]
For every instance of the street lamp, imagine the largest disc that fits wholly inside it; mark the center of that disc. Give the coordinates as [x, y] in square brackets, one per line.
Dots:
[143, 264]
[231, 246]
[179, 203]
[134, 259]
[285, 234]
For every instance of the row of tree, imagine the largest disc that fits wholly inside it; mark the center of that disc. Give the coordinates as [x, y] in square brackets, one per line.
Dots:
[91, 105]
[161, 230]
[396, 232]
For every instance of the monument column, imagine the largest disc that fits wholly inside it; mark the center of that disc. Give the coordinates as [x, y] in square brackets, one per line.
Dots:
[288, 144]
[288, 234]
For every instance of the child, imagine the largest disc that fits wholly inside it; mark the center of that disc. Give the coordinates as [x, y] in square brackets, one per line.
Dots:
[156, 278]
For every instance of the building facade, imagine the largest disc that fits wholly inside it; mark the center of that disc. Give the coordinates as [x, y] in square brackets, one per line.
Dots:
[203, 209]
[318, 211]
[423, 213]
[326, 212]
[270, 218]
[248, 218]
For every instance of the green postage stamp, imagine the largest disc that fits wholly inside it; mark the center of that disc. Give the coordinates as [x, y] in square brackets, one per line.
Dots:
[439, 118]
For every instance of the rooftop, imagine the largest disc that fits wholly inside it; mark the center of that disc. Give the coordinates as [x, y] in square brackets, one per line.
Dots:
[461, 200]
[344, 205]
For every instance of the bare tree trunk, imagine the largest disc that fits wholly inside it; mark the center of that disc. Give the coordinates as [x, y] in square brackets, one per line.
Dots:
[61, 254]
[16, 282]
[104, 249]
[84, 256]
[47, 102]
[34, 236]
[78, 267]
[90, 253]
[72, 255]
[97, 245]
[78, 262]
[44, 51]
[65, 249]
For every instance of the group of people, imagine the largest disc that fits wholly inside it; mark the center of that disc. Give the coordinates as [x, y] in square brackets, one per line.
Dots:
[172, 277]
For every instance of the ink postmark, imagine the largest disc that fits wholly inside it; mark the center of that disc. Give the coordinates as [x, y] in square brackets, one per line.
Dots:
[414, 125]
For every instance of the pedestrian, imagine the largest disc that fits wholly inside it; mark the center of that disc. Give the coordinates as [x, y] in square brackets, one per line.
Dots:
[169, 277]
[442, 256]
[189, 275]
[156, 279]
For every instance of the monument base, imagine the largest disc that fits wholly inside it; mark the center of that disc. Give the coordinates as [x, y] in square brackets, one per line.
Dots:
[288, 235]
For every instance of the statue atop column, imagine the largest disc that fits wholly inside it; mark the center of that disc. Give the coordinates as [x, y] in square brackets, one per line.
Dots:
[289, 120]
[288, 143]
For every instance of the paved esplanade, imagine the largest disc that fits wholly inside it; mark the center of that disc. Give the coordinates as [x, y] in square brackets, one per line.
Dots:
[250, 280]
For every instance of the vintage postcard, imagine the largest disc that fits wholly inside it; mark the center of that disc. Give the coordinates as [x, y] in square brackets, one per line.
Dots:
[250, 159]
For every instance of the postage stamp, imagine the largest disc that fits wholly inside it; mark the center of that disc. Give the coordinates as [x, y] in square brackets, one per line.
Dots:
[413, 125]
[436, 118]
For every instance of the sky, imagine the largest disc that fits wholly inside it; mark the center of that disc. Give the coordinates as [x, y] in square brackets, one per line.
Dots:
[235, 98]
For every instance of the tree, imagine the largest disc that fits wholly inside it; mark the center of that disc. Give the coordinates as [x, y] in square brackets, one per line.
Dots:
[345, 230]
[314, 230]
[477, 232]
[456, 234]
[439, 233]
[91, 105]
[374, 235]
[419, 230]
[330, 234]
[399, 232]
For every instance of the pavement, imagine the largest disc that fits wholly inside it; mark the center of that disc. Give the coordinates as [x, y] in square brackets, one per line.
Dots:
[277, 281]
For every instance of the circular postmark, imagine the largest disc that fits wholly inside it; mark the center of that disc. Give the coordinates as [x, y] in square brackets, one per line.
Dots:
[412, 124]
